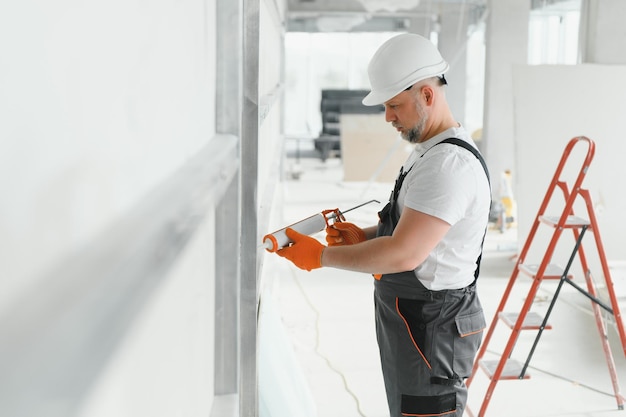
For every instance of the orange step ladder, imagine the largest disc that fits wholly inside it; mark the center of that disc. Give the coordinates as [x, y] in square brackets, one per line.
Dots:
[508, 368]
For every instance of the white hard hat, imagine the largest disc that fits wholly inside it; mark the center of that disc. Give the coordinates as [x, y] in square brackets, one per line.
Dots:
[399, 63]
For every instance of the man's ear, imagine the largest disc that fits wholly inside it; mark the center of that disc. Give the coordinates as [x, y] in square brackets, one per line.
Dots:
[428, 94]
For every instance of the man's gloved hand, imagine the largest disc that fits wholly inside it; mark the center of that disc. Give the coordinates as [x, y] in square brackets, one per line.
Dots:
[344, 233]
[305, 252]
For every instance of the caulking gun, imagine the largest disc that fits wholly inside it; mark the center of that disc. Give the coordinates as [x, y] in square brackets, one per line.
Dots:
[316, 223]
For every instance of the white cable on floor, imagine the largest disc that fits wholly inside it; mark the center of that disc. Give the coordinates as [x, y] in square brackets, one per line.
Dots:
[317, 343]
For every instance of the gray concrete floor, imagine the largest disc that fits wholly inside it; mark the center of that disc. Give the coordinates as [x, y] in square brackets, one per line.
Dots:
[328, 316]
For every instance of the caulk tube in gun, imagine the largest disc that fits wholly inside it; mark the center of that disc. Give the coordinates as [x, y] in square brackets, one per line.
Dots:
[316, 223]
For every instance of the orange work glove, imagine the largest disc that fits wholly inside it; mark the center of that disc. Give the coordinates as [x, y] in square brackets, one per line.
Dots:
[343, 233]
[305, 252]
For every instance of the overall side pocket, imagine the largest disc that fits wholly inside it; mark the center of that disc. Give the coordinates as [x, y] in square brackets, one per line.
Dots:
[470, 328]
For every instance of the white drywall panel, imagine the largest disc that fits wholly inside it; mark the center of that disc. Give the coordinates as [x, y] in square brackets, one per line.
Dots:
[164, 367]
[99, 103]
[552, 105]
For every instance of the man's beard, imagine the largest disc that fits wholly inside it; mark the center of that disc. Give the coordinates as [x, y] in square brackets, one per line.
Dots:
[414, 134]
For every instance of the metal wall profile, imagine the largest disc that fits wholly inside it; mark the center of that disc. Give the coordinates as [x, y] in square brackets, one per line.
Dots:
[249, 298]
[268, 101]
[241, 111]
[57, 338]
[229, 70]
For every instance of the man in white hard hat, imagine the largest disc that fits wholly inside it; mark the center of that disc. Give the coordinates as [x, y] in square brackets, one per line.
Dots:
[425, 250]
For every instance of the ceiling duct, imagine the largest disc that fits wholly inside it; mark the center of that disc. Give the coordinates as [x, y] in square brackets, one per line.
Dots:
[388, 5]
[339, 23]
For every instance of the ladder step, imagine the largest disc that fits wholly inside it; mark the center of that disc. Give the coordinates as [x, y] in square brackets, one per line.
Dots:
[570, 222]
[532, 321]
[512, 369]
[552, 271]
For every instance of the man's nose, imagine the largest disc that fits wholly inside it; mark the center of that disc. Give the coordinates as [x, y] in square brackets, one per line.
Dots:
[390, 115]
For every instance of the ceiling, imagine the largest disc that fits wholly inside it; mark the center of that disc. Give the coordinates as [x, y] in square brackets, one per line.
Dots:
[400, 6]
[377, 15]
[420, 16]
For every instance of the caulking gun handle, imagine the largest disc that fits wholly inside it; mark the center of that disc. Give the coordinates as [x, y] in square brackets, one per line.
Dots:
[332, 216]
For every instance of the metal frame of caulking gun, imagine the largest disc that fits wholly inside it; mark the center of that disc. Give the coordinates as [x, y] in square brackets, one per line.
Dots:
[313, 224]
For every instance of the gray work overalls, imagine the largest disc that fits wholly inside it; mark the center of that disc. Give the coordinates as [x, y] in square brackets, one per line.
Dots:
[427, 339]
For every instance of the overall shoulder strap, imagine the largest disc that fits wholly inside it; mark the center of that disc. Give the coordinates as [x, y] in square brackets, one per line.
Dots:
[463, 144]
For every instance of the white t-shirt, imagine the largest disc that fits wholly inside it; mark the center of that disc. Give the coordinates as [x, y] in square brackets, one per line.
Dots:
[448, 182]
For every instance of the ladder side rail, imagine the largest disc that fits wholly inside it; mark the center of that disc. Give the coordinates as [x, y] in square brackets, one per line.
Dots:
[591, 149]
[596, 304]
[584, 167]
[564, 188]
[605, 269]
[571, 194]
[591, 293]
[604, 338]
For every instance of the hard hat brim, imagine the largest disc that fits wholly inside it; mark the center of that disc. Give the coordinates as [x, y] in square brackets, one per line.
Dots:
[380, 96]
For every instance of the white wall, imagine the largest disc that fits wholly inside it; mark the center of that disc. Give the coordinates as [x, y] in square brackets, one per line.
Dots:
[506, 40]
[552, 105]
[100, 103]
[164, 367]
[603, 34]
